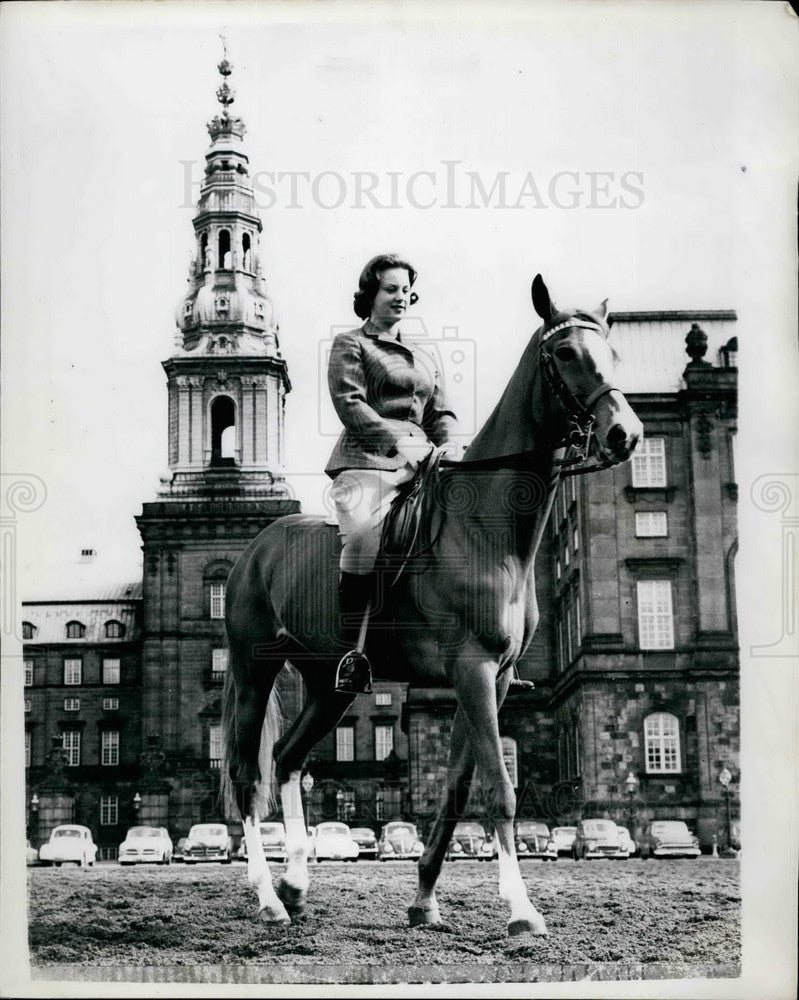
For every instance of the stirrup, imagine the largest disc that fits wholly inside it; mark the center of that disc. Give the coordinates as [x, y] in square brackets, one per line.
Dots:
[353, 674]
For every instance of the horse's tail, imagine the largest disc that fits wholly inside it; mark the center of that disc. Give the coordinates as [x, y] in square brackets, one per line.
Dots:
[264, 800]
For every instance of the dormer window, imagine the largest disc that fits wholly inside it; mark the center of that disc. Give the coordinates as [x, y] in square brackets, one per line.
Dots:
[28, 631]
[114, 630]
[75, 630]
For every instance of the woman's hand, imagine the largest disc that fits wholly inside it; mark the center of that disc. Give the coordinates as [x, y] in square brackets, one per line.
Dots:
[414, 449]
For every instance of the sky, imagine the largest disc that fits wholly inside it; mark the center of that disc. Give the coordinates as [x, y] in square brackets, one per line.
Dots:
[684, 115]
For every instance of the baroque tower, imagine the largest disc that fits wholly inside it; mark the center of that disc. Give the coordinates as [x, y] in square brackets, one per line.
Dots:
[227, 384]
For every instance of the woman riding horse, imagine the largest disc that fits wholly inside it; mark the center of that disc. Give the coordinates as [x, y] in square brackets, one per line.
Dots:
[390, 399]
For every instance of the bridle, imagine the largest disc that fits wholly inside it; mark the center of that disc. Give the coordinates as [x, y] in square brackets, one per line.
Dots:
[577, 439]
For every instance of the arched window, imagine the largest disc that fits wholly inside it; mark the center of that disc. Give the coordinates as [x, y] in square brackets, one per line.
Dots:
[114, 630]
[223, 431]
[204, 249]
[28, 630]
[511, 758]
[245, 251]
[75, 630]
[224, 248]
[662, 743]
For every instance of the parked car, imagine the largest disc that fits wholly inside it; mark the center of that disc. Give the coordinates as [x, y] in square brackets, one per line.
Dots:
[626, 841]
[533, 840]
[208, 842]
[69, 843]
[273, 840]
[564, 838]
[333, 842]
[469, 840]
[366, 841]
[143, 844]
[597, 838]
[31, 854]
[668, 838]
[399, 841]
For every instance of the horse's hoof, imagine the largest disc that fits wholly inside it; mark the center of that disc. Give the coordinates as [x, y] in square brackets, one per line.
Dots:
[536, 927]
[274, 915]
[292, 898]
[418, 916]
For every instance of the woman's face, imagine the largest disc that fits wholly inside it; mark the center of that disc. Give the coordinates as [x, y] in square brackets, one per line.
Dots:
[392, 296]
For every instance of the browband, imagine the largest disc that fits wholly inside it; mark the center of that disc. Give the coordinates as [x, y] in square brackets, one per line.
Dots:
[571, 323]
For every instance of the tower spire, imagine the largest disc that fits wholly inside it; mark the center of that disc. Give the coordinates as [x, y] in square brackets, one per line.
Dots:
[225, 124]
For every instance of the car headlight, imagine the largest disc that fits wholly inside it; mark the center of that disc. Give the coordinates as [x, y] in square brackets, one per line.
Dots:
[418, 846]
[591, 845]
[457, 847]
[486, 848]
[387, 848]
[522, 845]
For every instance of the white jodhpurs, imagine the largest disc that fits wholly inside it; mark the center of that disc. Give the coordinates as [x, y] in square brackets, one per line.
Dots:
[362, 498]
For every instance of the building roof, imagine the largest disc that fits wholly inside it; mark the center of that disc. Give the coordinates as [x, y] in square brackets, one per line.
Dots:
[111, 603]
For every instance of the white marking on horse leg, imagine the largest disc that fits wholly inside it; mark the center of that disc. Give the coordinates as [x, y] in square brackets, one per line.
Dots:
[523, 915]
[293, 886]
[270, 907]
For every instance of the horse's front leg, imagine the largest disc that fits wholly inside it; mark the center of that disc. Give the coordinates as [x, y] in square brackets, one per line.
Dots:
[293, 887]
[459, 776]
[477, 692]
[270, 909]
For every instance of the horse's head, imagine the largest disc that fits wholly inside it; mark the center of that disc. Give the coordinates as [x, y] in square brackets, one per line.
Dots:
[578, 365]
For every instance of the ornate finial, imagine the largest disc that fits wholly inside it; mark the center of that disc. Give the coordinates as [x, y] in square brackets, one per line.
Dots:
[226, 95]
[696, 344]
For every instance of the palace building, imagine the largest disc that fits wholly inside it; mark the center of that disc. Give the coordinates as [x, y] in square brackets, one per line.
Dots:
[634, 713]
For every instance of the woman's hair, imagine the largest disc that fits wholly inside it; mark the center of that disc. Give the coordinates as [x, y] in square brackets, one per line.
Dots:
[369, 282]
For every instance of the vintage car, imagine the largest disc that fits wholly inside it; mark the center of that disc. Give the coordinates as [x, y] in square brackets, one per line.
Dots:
[668, 838]
[470, 841]
[399, 841]
[564, 838]
[533, 840]
[626, 841]
[366, 841]
[597, 838]
[273, 840]
[333, 842]
[208, 842]
[69, 843]
[145, 844]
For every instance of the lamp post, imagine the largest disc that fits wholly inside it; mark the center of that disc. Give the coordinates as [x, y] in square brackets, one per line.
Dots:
[725, 777]
[307, 786]
[136, 804]
[340, 804]
[33, 816]
[631, 787]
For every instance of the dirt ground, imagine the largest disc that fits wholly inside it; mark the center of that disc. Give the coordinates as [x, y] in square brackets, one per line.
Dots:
[607, 920]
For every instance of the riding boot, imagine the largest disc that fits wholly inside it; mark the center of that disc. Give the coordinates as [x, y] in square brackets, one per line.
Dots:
[354, 674]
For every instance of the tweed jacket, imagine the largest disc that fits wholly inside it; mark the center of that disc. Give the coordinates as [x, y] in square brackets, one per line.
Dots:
[383, 389]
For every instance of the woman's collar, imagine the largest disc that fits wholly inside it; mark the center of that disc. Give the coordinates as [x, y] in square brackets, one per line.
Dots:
[371, 330]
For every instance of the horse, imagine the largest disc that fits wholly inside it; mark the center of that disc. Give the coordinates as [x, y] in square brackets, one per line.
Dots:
[462, 623]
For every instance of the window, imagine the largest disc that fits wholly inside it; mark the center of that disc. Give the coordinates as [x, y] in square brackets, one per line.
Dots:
[110, 704]
[107, 854]
[662, 743]
[510, 756]
[384, 740]
[219, 661]
[576, 540]
[28, 630]
[215, 745]
[109, 748]
[651, 524]
[109, 810]
[655, 621]
[28, 742]
[382, 698]
[649, 462]
[217, 600]
[71, 704]
[114, 630]
[111, 670]
[70, 743]
[28, 667]
[75, 630]
[28, 705]
[73, 671]
[345, 743]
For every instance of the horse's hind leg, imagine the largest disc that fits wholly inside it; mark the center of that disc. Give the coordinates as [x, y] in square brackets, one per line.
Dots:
[321, 712]
[459, 776]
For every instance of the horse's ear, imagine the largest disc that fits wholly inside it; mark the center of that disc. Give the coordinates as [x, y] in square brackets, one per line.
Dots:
[602, 309]
[542, 303]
